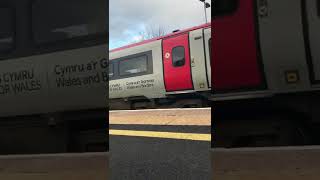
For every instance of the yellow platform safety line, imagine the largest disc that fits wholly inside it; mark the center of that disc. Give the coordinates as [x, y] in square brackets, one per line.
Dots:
[166, 135]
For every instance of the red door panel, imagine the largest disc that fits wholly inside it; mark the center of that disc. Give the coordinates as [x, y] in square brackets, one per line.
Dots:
[234, 54]
[179, 77]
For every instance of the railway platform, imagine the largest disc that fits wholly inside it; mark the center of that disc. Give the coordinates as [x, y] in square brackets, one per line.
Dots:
[77, 166]
[276, 163]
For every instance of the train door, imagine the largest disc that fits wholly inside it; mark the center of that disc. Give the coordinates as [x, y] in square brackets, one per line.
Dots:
[198, 57]
[235, 63]
[207, 43]
[176, 63]
[312, 29]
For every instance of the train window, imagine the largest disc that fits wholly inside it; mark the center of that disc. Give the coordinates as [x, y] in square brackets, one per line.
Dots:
[133, 65]
[54, 21]
[6, 29]
[110, 70]
[223, 7]
[178, 56]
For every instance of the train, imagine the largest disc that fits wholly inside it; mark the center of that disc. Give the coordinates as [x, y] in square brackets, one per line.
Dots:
[50, 63]
[164, 72]
[265, 73]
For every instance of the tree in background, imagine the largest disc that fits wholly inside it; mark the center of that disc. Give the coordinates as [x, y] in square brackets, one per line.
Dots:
[151, 32]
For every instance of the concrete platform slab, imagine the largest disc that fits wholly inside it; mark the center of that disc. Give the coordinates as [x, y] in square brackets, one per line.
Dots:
[78, 166]
[276, 163]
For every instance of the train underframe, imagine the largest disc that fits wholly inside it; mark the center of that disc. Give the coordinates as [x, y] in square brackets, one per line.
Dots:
[63, 132]
[282, 120]
[188, 100]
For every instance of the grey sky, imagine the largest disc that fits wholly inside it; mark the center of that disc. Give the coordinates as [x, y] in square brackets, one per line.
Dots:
[129, 17]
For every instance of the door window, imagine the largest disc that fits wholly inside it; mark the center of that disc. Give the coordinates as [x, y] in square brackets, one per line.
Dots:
[178, 56]
[223, 7]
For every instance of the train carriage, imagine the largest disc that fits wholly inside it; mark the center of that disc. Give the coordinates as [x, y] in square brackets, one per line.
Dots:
[266, 72]
[50, 63]
[168, 71]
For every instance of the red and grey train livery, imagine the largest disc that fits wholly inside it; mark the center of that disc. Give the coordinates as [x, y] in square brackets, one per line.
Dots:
[168, 71]
[53, 76]
[266, 72]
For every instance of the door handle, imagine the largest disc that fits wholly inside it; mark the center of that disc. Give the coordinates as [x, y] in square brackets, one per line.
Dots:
[263, 8]
[192, 62]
